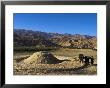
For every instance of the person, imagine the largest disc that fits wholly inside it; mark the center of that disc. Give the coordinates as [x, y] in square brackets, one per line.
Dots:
[92, 60]
[81, 57]
[86, 60]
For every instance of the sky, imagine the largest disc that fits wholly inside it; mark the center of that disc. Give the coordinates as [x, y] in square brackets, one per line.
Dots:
[71, 23]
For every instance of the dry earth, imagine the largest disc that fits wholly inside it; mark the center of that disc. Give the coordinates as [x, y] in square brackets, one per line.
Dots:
[68, 63]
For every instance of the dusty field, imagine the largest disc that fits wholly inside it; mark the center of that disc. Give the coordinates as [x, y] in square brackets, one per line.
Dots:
[70, 65]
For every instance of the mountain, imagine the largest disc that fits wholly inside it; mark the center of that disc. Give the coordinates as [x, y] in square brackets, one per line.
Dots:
[36, 38]
[32, 38]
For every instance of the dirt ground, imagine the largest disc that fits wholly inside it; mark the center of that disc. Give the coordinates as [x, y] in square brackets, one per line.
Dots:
[70, 66]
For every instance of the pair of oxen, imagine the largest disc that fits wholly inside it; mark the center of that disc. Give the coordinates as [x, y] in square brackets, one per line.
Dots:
[87, 60]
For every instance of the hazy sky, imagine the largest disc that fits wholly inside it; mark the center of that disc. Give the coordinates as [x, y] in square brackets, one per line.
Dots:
[72, 23]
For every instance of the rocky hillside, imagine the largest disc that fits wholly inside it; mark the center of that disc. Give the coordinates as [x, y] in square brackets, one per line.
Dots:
[31, 38]
[36, 38]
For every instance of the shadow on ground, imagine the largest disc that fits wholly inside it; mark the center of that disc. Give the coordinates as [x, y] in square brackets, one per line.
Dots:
[83, 70]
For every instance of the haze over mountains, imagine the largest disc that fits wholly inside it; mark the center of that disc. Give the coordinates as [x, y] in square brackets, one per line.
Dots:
[24, 37]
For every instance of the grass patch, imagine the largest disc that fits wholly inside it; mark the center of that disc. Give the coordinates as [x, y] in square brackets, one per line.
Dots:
[33, 48]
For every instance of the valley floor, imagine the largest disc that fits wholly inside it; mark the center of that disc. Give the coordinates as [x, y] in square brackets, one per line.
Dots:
[70, 66]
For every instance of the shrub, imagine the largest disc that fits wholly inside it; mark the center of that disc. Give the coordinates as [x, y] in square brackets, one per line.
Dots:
[33, 48]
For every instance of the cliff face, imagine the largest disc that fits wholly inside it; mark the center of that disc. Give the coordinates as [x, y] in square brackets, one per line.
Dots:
[37, 38]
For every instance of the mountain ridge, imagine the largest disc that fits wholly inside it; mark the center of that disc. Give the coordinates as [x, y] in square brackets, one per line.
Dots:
[24, 37]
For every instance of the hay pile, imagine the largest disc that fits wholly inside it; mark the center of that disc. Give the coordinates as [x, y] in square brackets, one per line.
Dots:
[42, 57]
